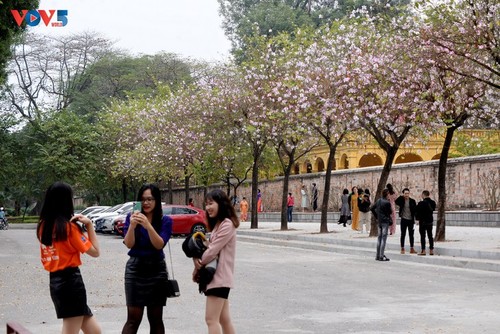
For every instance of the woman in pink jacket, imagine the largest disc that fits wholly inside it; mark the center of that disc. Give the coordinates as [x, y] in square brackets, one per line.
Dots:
[222, 222]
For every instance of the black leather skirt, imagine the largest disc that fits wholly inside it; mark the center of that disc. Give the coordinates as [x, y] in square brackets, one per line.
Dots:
[68, 293]
[146, 282]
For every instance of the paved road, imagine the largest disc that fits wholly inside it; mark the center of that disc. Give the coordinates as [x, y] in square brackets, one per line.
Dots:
[279, 290]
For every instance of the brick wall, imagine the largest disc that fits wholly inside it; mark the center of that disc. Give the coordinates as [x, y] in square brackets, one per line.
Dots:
[464, 187]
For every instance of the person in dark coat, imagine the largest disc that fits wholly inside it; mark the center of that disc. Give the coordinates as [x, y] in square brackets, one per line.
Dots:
[345, 211]
[424, 215]
[407, 207]
[382, 210]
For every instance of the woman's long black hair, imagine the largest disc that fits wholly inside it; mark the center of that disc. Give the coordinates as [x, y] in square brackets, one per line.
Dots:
[157, 211]
[226, 209]
[57, 210]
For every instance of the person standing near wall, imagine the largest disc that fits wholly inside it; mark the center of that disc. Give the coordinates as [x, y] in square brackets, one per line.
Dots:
[304, 200]
[260, 207]
[392, 199]
[407, 207]
[315, 194]
[290, 202]
[353, 201]
[244, 209]
[424, 215]
[345, 211]
[364, 204]
[382, 210]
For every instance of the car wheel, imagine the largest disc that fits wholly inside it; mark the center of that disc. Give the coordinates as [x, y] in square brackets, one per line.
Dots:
[198, 228]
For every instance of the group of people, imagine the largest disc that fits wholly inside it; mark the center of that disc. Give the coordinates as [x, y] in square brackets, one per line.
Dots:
[356, 207]
[64, 235]
[305, 203]
[409, 212]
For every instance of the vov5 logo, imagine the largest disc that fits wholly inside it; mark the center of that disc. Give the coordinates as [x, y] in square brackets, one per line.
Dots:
[34, 16]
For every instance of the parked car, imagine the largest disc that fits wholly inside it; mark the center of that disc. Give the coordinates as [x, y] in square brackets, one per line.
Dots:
[118, 225]
[107, 224]
[114, 211]
[93, 209]
[186, 219]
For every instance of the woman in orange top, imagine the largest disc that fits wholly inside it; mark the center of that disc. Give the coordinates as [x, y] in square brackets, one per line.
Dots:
[61, 241]
[244, 209]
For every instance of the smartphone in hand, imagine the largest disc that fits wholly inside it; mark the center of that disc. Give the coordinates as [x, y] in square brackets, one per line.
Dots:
[137, 206]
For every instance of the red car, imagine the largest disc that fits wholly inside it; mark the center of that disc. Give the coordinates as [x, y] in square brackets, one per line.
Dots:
[186, 219]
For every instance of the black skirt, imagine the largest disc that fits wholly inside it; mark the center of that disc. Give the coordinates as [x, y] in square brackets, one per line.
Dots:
[146, 282]
[68, 293]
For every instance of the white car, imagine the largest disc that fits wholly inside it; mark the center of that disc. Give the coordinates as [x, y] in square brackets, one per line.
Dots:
[106, 224]
[93, 209]
[119, 209]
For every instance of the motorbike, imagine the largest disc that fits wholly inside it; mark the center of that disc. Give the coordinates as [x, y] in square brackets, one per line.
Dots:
[4, 225]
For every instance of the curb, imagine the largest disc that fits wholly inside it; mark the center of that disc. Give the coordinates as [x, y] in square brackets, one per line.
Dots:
[457, 258]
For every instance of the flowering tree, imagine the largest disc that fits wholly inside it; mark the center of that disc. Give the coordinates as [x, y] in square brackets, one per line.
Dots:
[328, 64]
[463, 61]
[465, 31]
[392, 87]
[273, 76]
[244, 113]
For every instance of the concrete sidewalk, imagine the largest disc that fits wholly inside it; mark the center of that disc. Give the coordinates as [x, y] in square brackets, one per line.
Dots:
[465, 247]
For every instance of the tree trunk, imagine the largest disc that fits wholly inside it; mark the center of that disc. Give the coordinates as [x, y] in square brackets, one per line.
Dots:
[228, 186]
[186, 188]
[254, 217]
[170, 192]
[443, 164]
[391, 154]
[124, 190]
[17, 208]
[323, 228]
[284, 199]
[205, 192]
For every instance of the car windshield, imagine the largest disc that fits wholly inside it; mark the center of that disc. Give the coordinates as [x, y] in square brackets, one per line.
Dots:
[113, 209]
[87, 210]
[127, 208]
[178, 210]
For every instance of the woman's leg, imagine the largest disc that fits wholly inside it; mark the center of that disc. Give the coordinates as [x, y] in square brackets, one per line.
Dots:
[225, 319]
[90, 325]
[155, 317]
[72, 325]
[213, 313]
[134, 318]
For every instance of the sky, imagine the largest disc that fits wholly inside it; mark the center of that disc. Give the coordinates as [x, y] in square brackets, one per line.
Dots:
[189, 28]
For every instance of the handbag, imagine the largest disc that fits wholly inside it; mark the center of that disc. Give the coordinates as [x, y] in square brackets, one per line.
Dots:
[172, 285]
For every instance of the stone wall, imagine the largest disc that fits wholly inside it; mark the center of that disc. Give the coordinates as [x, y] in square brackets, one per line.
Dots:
[465, 190]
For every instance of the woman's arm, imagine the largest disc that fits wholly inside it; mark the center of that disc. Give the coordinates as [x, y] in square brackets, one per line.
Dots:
[157, 240]
[130, 225]
[225, 232]
[94, 250]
